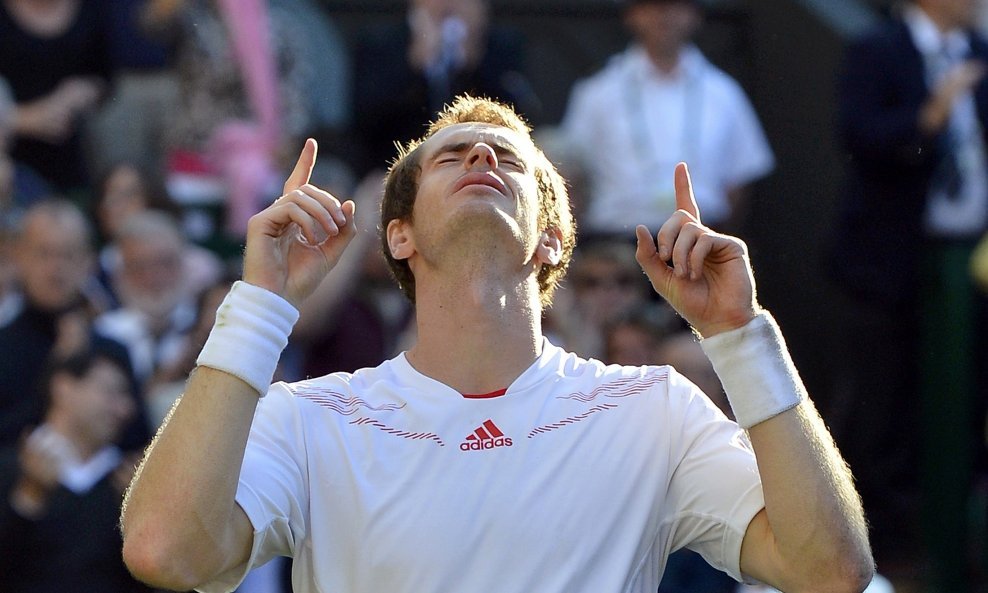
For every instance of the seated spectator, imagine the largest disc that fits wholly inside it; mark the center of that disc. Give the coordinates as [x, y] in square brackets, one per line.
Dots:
[604, 284]
[53, 255]
[62, 485]
[125, 189]
[633, 338]
[242, 101]
[168, 381]
[55, 57]
[157, 291]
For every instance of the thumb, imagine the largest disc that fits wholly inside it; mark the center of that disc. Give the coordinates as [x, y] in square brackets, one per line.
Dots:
[303, 168]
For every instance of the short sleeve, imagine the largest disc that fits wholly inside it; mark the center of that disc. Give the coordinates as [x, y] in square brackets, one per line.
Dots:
[715, 490]
[273, 486]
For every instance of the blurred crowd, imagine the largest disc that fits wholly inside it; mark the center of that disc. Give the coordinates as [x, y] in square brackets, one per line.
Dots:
[137, 137]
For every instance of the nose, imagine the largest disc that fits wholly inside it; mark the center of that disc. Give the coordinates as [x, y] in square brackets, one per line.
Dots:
[481, 156]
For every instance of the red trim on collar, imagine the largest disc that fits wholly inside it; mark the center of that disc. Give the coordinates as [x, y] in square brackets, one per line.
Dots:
[497, 393]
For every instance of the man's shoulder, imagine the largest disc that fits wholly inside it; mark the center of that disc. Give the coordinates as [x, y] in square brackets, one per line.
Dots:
[592, 371]
[365, 380]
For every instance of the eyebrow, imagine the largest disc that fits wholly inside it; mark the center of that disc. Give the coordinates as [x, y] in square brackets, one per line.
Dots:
[500, 148]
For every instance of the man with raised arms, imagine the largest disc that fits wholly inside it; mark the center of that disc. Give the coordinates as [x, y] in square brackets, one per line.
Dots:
[575, 476]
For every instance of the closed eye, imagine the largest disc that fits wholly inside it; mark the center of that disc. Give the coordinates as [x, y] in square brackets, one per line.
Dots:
[447, 159]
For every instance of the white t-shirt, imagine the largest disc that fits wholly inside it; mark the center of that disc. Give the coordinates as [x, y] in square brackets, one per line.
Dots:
[581, 477]
[632, 124]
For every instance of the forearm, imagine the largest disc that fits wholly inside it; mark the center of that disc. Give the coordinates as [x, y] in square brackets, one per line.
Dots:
[813, 509]
[180, 521]
[178, 517]
[815, 533]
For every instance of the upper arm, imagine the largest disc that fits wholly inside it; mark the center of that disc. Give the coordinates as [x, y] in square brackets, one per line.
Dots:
[241, 540]
[715, 488]
[759, 557]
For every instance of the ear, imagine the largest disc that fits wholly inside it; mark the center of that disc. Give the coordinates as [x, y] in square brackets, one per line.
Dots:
[400, 241]
[550, 247]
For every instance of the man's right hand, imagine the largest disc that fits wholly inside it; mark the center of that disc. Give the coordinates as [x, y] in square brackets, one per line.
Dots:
[936, 111]
[293, 243]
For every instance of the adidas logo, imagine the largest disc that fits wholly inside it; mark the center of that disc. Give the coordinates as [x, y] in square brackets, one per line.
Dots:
[486, 436]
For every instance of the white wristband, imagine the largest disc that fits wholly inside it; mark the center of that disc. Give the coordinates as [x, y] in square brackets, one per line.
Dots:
[251, 329]
[756, 370]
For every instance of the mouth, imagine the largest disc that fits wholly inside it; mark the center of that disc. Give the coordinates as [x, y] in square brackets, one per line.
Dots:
[482, 179]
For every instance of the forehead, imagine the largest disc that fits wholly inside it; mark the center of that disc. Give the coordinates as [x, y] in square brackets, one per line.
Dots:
[54, 227]
[472, 132]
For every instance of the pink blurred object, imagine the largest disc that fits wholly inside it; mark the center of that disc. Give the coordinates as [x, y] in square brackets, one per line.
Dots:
[243, 151]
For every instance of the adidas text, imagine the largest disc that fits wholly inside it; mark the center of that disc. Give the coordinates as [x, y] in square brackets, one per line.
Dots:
[479, 445]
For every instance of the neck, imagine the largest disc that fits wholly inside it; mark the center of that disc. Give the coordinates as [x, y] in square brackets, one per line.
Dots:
[943, 22]
[667, 61]
[475, 336]
[83, 448]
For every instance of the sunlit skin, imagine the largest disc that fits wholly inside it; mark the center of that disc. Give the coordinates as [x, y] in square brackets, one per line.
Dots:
[475, 182]
[663, 28]
[53, 258]
[478, 320]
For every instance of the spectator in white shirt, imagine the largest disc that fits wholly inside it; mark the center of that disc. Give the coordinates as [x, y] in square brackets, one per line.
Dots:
[658, 103]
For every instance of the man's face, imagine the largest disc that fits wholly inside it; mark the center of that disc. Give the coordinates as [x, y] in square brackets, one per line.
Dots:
[123, 195]
[605, 290]
[475, 177]
[662, 27]
[98, 404]
[53, 260]
[151, 277]
[631, 345]
[952, 14]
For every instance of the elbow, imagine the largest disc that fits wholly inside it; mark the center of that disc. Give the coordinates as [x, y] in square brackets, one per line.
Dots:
[852, 575]
[157, 564]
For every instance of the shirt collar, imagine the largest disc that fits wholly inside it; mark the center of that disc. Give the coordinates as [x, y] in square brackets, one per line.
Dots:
[928, 37]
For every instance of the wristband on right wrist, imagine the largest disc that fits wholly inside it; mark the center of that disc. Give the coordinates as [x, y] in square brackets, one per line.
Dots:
[252, 328]
[755, 368]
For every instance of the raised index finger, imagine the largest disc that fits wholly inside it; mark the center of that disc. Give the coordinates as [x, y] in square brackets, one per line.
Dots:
[303, 168]
[684, 191]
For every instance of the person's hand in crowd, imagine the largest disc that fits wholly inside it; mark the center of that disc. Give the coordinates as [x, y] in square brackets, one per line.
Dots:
[937, 109]
[71, 333]
[42, 455]
[705, 276]
[462, 24]
[52, 118]
[293, 243]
